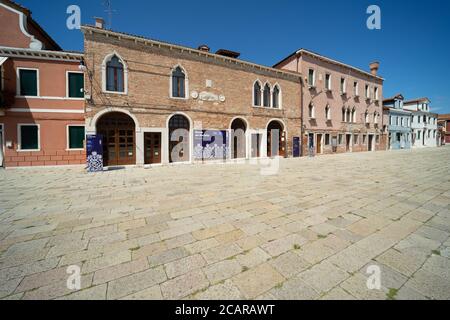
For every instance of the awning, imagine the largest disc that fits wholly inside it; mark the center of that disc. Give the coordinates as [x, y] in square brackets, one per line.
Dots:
[2, 60]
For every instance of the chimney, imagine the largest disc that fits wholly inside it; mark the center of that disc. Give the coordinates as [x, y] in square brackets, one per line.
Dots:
[203, 47]
[374, 66]
[99, 22]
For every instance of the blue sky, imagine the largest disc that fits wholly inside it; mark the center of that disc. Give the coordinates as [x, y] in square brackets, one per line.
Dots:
[413, 45]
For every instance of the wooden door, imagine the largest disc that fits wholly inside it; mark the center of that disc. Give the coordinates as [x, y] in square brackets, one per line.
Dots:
[319, 144]
[152, 145]
[119, 140]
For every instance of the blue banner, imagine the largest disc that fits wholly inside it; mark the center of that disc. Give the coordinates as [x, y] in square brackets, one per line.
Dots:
[211, 144]
[94, 153]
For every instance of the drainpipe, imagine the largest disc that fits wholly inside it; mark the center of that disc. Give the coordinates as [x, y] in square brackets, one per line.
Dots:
[301, 109]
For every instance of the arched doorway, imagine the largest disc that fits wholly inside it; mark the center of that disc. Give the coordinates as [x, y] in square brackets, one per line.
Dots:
[275, 132]
[239, 146]
[179, 141]
[119, 138]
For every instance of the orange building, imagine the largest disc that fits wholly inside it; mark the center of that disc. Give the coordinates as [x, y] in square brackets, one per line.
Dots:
[42, 95]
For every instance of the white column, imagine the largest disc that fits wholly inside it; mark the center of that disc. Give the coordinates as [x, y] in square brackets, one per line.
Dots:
[139, 147]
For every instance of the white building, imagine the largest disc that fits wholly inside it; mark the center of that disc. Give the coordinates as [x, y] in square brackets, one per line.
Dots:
[423, 123]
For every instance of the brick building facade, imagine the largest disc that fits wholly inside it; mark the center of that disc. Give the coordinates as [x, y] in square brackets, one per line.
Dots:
[138, 91]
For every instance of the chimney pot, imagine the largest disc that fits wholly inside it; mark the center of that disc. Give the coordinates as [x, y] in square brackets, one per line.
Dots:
[203, 47]
[374, 66]
[99, 22]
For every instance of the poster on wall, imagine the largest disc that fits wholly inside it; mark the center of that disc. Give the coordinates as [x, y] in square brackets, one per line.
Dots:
[296, 147]
[94, 153]
[211, 145]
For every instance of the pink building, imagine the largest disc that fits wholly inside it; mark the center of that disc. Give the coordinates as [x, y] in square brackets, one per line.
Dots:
[342, 105]
[42, 95]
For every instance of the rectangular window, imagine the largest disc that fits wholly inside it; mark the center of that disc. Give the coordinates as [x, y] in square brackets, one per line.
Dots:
[355, 89]
[311, 77]
[364, 139]
[327, 139]
[341, 138]
[328, 81]
[367, 92]
[376, 93]
[75, 85]
[29, 137]
[355, 139]
[28, 82]
[343, 85]
[75, 137]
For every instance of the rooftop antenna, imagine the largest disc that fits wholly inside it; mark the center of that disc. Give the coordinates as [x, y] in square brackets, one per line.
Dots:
[109, 10]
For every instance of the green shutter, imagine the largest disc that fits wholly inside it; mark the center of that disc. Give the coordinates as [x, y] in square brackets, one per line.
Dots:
[28, 82]
[76, 137]
[76, 85]
[29, 137]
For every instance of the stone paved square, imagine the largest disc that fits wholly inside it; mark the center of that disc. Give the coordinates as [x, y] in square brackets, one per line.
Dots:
[221, 231]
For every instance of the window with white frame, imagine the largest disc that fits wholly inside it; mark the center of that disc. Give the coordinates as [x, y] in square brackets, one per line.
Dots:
[356, 88]
[28, 82]
[343, 89]
[257, 94]
[75, 137]
[178, 83]
[75, 84]
[115, 75]
[276, 97]
[375, 118]
[344, 113]
[327, 139]
[328, 81]
[312, 78]
[376, 93]
[366, 117]
[311, 111]
[266, 95]
[29, 139]
[367, 91]
[328, 113]
[354, 115]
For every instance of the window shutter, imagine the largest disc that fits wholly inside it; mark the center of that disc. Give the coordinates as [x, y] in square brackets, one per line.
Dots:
[76, 137]
[29, 137]
[28, 82]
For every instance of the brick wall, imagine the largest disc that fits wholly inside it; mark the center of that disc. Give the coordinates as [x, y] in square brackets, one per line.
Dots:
[148, 99]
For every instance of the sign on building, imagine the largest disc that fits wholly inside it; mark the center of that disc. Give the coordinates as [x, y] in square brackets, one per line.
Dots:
[94, 153]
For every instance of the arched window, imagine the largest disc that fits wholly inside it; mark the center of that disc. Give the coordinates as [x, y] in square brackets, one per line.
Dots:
[114, 75]
[343, 114]
[266, 96]
[349, 116]
[276, 97]
[312, 112]
[367, 117]
[375, 118]
[328, 113]
[178, 83]
[354, 115]
[257, 94]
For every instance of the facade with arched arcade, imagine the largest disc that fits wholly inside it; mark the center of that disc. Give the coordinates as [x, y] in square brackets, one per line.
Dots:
[156, 103]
